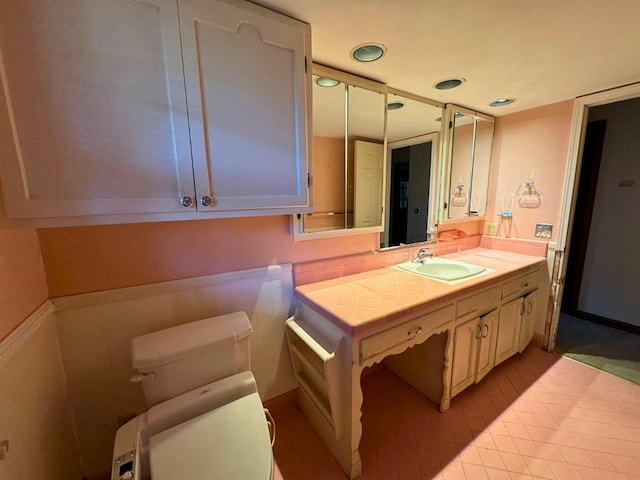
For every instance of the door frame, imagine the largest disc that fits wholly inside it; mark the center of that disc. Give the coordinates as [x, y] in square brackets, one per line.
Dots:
[581, 107]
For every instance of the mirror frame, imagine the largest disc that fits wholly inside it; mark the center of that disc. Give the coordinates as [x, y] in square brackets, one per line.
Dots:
[447, 161]
[442, 172]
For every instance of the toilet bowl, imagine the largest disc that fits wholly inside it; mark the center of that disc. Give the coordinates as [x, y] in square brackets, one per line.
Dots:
[205, 416]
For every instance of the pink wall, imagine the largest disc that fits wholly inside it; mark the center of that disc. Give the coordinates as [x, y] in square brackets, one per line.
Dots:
[86, 259]
[536, 139]
[23, 286]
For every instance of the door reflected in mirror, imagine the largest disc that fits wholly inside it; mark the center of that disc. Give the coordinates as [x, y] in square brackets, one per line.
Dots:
[413, 136]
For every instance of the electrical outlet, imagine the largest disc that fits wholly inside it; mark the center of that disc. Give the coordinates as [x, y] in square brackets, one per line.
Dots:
[543, 230]
[491, 228]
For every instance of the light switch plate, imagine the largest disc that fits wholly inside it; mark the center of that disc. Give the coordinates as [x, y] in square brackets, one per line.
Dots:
[543, 230]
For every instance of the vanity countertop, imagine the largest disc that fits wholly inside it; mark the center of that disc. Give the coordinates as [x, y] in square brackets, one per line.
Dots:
[367, 301]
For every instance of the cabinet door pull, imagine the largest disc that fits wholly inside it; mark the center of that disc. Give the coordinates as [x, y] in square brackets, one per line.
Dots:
[186, 201]
[529, 308]
[414, 332]
[478, 330]
[486, 331]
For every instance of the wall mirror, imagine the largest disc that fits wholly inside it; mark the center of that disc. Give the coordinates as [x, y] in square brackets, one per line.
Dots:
[355, 137]
[413, 149]
[467, 154]
[348, 155]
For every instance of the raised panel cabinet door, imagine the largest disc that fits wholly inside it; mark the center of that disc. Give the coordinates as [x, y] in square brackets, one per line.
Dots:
[247, 94]
[528, 320]
[92, 109]
[508, 329]
[487, 350]
[465, 355]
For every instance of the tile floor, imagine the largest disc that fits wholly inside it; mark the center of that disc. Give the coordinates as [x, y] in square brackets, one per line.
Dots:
[536, 416]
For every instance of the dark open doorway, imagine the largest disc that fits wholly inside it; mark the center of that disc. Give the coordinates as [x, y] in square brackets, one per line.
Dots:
[409, 201]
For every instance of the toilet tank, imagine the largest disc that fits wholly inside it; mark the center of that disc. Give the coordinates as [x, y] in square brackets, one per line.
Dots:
[178, 359]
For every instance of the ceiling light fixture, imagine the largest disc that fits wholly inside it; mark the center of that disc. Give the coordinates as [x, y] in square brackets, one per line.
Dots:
[502, 102]
[395, 105]
[326, 82]
[368, 52]
[449, 83]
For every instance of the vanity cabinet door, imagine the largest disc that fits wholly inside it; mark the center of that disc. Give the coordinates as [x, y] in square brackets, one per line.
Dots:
[465, 354]
[247, 90]
[92, 110]
[487, 349]
[528, 320]
[508, 333]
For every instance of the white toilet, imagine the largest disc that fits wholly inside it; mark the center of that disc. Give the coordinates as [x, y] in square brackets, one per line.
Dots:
[205, 417]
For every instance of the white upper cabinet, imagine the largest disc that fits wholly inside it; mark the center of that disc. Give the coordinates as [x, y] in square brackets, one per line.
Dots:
[246, 92]
[96, 118]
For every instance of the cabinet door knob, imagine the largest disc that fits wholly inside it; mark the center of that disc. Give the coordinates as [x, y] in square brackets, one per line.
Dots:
[208, 201]
[186, 201]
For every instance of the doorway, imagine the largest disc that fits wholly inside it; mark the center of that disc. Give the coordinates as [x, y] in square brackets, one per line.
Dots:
[596, 283]
[410, 186]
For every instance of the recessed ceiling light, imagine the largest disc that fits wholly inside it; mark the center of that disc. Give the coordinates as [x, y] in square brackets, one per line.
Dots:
[502, 102]
[449, 83]
[326, 82]
[368, 52]
[395, 105]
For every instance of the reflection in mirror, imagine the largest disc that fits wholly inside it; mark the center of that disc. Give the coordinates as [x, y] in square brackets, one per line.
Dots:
[348, 153]
[328, 156]
[471, 138]
[481, 164]
[365, 156]
[461, 165]
[413, 131]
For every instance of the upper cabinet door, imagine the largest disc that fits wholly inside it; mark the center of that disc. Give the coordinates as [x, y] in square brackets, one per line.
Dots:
[93, 116]
[247, 95]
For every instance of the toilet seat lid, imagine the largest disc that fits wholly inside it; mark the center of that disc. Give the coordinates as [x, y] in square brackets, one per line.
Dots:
[228, 443]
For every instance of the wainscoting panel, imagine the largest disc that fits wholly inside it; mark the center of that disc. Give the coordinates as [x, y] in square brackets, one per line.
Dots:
[35, 417]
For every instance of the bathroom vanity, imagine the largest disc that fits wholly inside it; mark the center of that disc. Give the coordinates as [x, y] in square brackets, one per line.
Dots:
[440, 337]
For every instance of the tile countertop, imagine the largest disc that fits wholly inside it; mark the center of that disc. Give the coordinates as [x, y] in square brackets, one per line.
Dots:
[368, 301]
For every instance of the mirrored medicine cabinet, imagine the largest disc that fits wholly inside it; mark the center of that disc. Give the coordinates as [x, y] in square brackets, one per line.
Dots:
[467, 143]
[377, 160]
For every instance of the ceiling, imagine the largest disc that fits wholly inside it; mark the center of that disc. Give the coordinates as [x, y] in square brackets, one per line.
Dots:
[538, 52]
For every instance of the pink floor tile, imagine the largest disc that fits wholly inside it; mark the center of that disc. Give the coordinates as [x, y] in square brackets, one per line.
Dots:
[536, 416]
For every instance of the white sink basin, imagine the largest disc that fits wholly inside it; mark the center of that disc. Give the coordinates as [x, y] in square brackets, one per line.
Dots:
[442, 269]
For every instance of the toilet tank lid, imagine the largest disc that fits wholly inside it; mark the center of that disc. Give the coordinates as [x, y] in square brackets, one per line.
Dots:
[171, 344]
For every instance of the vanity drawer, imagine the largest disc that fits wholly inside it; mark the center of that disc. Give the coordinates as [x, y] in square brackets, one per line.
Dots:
[519, 286]
[409, 332]
[478, 304]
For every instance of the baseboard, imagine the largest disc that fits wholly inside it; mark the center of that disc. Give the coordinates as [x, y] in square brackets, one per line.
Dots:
[607, 322]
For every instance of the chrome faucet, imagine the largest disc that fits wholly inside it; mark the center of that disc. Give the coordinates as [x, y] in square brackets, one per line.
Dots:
[422, 254]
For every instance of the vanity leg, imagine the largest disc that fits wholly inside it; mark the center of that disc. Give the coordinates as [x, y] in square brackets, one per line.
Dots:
[447, 372]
